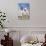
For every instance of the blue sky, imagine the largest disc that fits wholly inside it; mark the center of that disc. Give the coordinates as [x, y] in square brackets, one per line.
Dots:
[24, 5]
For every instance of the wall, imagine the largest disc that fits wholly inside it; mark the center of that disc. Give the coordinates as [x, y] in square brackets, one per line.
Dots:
[37, 17]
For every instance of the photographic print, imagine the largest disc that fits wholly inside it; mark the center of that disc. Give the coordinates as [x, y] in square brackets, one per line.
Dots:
[24, 11]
